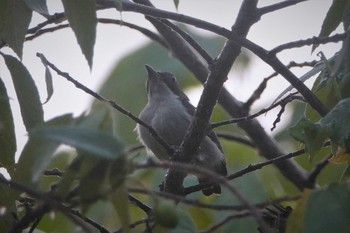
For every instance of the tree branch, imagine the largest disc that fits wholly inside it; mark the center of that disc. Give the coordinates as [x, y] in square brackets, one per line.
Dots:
[278, 6]
[311, 41]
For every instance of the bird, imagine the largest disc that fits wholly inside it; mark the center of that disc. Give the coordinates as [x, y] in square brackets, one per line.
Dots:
[169, 112]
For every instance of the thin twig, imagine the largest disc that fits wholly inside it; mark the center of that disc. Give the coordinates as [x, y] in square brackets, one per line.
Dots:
[229, 218]
[235, 137]
[219, 207]
[311, 41]
[284, 101]
[140, 204]
[278, 6]
[188, 168]
[256, 94]
[49, 201]
[113, 104]
[91, 222]
[318, 168]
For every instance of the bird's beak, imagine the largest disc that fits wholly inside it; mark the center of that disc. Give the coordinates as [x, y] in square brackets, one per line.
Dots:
[151, 72]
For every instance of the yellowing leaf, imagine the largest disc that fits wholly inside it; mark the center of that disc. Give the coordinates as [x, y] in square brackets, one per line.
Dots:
[341, 157]
[295, 222]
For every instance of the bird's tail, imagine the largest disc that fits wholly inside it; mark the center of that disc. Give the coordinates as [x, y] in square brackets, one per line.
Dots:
[209, 189]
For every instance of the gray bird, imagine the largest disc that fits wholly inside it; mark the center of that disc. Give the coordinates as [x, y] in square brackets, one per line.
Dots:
[169, 113]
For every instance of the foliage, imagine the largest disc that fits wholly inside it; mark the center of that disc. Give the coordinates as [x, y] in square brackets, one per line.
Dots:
[86, 169]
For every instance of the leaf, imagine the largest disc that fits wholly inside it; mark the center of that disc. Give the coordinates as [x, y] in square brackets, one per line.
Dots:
[49, 84]
[336, 123]
[295, 222]
[34, 159]
[185, 224]
[27, 93]
[7, 132]
[37, 154]
[38, 6]
[346, 173]
[333, 18]
[340, 157]
[328, 210]
[311, 134]
[7, 205]
[81, 15]
[165, 214]
[176, 3]
[15, 25]
[316, 69]
[120, 202]
[97, 144]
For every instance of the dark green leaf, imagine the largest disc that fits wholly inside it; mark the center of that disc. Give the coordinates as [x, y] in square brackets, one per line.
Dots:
[333, 18]
[8, 204]
[81, 15]
[34, 159]
[101, 145]
[312, 135]
[49, 84]
[120, 202]
[176, 3]
[27, 93]
[7, 131]
[15, 24]
[328, 210]
[37, 6]
[37, 154]
[336, 123]
[185, 224]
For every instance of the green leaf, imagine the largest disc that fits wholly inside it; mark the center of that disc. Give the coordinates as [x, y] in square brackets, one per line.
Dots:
[185, 223]
[38, 6]
[34, 159]
[346, 173]
[98, 144]
[176, 3]
[37, 154]
[93, 184]
[295, 222]
[312, 135]
[328, 210]
[7, 131]
[8, 204]
[120, 202]
[49, 84]
[333, 18]
[336, 123]
[165, 214]
[15, 24]
[27, 93]
[81, 15]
